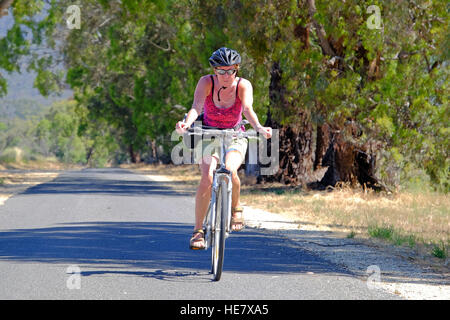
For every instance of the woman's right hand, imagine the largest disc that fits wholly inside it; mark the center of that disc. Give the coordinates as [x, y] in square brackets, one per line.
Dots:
[181, 127]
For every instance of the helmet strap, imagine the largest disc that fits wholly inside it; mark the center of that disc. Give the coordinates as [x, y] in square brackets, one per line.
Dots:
[218, 93]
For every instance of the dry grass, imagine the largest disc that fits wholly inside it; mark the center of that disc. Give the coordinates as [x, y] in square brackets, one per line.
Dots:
[407, 218]
[423, 216]
[25, 178]
[17, 177]
[48, 164]
[189, 174]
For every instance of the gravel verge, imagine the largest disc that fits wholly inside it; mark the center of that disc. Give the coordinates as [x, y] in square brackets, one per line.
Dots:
[383, 266]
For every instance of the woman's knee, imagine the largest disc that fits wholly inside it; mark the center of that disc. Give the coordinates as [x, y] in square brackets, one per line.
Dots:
[234, 174]
[206, 168]
[233, 163]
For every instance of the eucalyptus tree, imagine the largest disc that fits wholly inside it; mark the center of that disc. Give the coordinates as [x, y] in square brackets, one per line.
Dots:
[370, 82]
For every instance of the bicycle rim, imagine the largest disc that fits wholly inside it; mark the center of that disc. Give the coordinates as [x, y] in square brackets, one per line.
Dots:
[218, 248]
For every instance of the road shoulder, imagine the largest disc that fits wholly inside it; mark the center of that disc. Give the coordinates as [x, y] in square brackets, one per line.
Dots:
[16, 181]
[382, 266]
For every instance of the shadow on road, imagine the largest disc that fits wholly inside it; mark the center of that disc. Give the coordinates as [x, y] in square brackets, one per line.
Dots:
[117, 182]
[157, 250]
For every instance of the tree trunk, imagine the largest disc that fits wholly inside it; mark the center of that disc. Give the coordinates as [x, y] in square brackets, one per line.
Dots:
[154, 151]
[346, 160]
[134, 156]
[295, 152]
[4, 5]
[89, 153]
[322, 144]
[337, 150]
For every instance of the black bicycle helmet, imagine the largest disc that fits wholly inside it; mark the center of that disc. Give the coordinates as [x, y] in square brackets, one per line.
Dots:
[224, 57]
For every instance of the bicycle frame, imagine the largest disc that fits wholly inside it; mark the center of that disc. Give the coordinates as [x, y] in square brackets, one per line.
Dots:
[223, 174]
[219, 174]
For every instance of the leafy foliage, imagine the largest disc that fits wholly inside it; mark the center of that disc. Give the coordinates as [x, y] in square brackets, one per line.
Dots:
[132, 62]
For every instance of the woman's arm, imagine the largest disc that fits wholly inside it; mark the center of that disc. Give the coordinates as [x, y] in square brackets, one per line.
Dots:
[246, 96]
[200, 94]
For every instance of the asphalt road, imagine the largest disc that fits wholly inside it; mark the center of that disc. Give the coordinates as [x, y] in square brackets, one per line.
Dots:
[114, 234]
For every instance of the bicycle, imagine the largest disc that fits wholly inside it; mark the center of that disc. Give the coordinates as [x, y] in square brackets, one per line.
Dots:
[217, 224]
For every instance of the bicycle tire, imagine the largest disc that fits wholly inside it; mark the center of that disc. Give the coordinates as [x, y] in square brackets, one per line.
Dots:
[218, 247]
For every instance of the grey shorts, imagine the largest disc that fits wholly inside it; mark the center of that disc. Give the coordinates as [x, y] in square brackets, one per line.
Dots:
[212, 147]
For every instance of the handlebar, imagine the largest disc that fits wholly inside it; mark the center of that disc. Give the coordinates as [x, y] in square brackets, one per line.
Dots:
[206, 130]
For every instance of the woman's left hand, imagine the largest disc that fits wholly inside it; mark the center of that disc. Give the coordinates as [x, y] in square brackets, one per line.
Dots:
[265, 131]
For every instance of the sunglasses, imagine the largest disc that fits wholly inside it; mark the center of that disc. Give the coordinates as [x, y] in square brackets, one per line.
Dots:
[229, 72]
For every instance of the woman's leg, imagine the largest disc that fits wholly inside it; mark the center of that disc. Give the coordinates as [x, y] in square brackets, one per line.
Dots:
[202, 199]
[203, 194]
[233, 161]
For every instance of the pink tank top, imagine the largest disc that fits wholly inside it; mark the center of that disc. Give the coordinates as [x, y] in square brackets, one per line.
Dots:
[224, 118]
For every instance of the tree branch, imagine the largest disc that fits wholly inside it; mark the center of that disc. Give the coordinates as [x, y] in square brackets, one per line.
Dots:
[320, 30]
[426, 60]
[435, 64]
[159, 47]
[4, 5]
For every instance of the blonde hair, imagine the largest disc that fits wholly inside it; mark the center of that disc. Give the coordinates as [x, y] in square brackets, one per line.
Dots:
[237, 66]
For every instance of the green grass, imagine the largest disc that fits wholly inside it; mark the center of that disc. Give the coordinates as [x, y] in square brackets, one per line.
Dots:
[388, 233]
[439, 250]
[381, 232]
[351, 235]
[9, 155]
[399, 239]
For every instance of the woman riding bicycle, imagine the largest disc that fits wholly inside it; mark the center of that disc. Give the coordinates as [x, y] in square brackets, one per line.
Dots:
[223, 97]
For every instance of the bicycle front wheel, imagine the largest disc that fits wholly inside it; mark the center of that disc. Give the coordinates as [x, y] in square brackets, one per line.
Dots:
[218, 248]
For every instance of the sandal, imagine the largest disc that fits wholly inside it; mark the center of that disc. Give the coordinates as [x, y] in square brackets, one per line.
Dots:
[197, 241]
[237, 223]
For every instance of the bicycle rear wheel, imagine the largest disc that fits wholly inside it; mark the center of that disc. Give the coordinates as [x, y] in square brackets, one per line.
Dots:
[218, 247]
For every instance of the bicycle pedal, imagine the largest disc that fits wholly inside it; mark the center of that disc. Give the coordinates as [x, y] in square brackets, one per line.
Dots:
[199, 249]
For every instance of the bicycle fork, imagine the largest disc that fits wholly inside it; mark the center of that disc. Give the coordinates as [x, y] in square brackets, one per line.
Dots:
[210, 225]
[224, 174]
